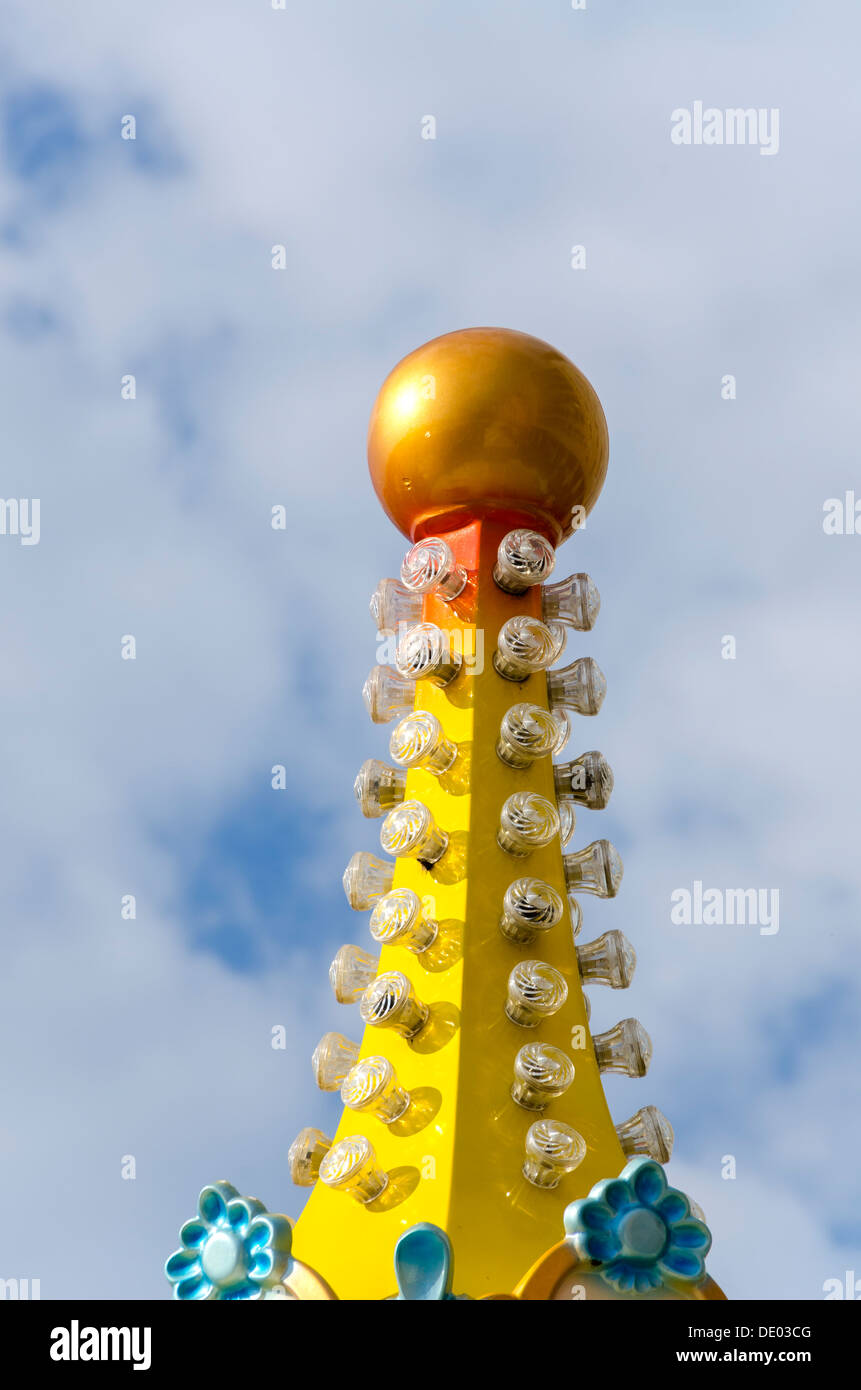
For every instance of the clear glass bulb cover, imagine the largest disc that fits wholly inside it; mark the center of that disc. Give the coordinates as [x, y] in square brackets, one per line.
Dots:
[418, 741]
[391, 604]
[526, 645]
[410, 832]
[626, 1049]
[306, 1154]
[541, 1074]
[372, 1086]
[535, 991]
[576, 917]
[430, 568]
[379, 788]
[387, 695]
[527, 822]
[524, 558]
[552, 1150]
[563, 724]
[391, 1002]
[588, 780]
[574, 600]
[331, 1060]
[567, 821]
[351, 972]
[580, 687]
[527, 732]
[425, 653]
[351, 1166]
[596, 869]
[608, 960]
[366, 878]
[530, 906]
[398, 920]
[648, 1132]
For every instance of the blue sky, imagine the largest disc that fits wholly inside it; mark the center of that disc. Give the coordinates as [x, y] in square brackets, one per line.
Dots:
[301, 127]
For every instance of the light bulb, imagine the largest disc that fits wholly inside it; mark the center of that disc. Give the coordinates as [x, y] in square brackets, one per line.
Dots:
[372, 1087]
[379, 788]
[398, 920]
[430, 568]
[351, 972]
[626, 1049]
[391, 1002]
[529, 907]
[535, 991]
[331, 1060]
[541, 1073]
[574, 600]
[391, 604]
[425, 653]
[410, 832]
[366, 878]
[418, 741]
[527, 733]
[526, 645]
[305, 1155]
[580, 687]
[552, 1150]
[567, 821]
[596, 869]
[648, 1132]
[387, 695]
[608, 960]
[588, 780]
[351, 1166]
[524, 558]
[527, 822]
[576, 917]
[563, 723]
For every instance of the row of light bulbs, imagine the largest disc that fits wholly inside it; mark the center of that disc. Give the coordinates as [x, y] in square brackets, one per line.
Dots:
[552, 1148]
[528, 821]
[524, 647]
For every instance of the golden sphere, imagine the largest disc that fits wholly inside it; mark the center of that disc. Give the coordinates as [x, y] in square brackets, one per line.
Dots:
[487, 422]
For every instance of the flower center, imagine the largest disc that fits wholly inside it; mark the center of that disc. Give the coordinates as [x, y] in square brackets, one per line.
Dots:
[642, 1233]
[222, 1258]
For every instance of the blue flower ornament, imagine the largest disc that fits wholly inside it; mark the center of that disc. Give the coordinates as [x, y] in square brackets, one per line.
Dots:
[639, 1230]
[233, 1249]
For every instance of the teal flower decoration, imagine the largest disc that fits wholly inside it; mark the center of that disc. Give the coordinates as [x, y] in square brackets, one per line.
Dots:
[639, 1230]
[233, 1248]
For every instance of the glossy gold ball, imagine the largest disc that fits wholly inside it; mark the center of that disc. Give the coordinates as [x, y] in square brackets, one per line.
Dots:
[487, 422]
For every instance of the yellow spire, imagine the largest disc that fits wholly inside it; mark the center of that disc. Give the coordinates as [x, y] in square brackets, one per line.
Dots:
[485, 429]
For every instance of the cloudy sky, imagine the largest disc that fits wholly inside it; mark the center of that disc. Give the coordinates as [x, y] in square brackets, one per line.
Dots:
[302, 127]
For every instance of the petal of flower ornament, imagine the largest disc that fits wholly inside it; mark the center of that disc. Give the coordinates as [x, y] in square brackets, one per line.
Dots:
[241, 1211]
[649, 1182]
[181, 1265]
[268, 1244]
[193, 1234]
[212, 1203]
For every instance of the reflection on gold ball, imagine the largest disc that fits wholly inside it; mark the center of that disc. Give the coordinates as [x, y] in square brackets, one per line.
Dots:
[487, 422]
